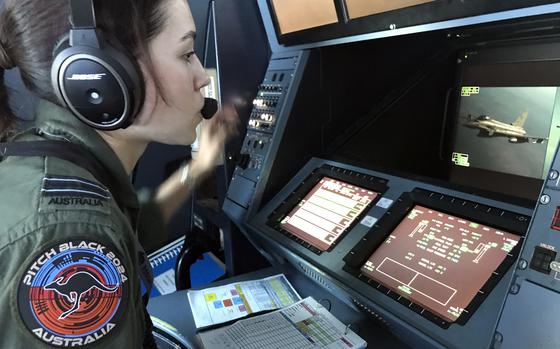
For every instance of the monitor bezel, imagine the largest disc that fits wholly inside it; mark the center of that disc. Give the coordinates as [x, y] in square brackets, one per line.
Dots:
[375, 184]
[490, 216]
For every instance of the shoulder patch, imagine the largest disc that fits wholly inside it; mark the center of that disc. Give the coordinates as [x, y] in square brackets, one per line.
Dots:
[73, 186]
[74, 293]
[73, 193]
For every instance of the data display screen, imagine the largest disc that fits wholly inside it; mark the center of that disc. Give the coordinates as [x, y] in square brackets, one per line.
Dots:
[361, 8]
[327, 211]
[296, 15]
[439, 261]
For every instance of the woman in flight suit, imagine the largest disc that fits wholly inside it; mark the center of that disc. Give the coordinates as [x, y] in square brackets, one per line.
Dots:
[71, 262]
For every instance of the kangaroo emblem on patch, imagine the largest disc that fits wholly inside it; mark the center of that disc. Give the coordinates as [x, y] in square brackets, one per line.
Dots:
[74, 293]
[75, 287]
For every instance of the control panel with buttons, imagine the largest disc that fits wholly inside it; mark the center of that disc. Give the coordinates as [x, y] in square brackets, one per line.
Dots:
[534, 293]
[271, 109]
[543, 240]
[261, 126]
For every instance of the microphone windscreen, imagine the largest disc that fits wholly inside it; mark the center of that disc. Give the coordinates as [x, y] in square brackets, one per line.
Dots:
[210, 108]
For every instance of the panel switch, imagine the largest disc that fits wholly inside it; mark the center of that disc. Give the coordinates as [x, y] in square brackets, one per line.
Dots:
[542, 257]
[244, 160]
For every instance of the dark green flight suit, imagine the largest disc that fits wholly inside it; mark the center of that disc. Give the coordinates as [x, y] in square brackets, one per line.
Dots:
[68, 254]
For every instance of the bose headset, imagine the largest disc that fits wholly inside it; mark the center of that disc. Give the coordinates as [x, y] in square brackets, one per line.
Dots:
[100, 84]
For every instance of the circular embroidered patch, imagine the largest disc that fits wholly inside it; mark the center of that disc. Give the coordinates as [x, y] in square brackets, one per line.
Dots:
[73, 293]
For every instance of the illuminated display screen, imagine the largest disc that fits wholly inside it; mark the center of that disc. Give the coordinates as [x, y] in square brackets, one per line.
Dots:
[295, 15]
[507, 129]
[361, 8]
[439, 261]
[327, 211]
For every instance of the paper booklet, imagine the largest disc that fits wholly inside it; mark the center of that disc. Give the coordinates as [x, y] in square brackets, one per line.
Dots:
[218, 305]
[306, 324]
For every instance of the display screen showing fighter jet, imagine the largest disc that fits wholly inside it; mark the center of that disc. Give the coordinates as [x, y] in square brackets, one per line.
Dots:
[439, 261]
[507, 129]
[327, 211]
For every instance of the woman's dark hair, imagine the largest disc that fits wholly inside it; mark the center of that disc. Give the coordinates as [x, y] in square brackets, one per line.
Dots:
[30, 29]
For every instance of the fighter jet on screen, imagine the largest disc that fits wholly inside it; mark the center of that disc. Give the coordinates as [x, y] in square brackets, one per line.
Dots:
[514, 132]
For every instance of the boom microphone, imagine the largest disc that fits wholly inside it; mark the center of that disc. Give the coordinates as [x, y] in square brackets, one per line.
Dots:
[210, 108]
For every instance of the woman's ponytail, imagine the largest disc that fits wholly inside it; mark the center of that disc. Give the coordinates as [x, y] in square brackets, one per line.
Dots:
[6, 62]
[6, 115]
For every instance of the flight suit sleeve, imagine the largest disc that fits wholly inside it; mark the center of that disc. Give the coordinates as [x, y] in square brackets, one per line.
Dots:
[72, 284]
[152, 232]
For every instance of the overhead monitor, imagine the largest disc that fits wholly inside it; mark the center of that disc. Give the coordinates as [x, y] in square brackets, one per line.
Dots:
[439, 261]
[325, 207]
[507, 122]
[301, 22]
[297, 15]
[362, 8]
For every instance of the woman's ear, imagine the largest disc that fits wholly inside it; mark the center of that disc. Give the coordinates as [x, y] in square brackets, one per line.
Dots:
[151, 96]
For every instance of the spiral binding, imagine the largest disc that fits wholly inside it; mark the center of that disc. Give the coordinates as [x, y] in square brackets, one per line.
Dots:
[166, 253]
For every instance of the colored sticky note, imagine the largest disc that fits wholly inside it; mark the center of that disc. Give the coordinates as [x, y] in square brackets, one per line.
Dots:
[210, 297]
[237, 300]
[228, 302]
[218, 304]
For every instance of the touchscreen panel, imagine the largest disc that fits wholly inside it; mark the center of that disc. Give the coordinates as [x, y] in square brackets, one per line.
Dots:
[327, 211]
[439, 261]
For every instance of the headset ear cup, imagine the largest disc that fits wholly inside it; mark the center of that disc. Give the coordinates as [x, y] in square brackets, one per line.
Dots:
[119, 62]
[96, 78]
[130, 65]
[101, 87]
[61, 44]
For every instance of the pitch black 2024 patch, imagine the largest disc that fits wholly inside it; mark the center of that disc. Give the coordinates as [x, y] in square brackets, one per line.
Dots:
[74, 293]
